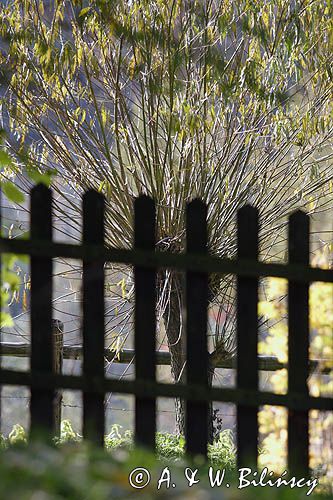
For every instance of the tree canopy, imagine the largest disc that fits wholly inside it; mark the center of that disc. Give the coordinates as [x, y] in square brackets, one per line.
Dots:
[223, 100]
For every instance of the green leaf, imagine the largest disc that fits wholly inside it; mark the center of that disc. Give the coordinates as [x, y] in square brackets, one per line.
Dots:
[2, 134]
[84, 11]
[41, 177]
[5, 159]
[11, 278]
[6, 320]
[12, 192]
[8, 260]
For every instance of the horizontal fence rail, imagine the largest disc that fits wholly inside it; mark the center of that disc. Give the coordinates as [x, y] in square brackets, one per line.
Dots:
[125, 356]
[157, 259]
[143, 388]
[44, 381]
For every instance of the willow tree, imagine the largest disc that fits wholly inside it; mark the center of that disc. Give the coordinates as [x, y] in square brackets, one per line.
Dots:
[222, 100]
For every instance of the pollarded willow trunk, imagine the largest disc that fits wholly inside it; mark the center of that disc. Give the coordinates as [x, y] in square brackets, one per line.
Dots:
[177, 347]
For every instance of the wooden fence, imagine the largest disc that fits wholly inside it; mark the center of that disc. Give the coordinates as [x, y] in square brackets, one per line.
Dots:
[44, 381]
[126, 356]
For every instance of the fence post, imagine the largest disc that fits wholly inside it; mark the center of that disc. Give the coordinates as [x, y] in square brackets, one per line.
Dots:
[196, 415]
[298, 345]
[145, 321]
[93, 317]
[58, 344]
[247, 337]
[41, 400]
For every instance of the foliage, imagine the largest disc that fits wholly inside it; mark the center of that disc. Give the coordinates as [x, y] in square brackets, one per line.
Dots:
[9, 278]
[273, 421]
[222, 451]
[221, 100]
[77, 470]
[17, 435]
[9, 282]
[9, 269]
[168, 446]
[67, 434]
[3, 442]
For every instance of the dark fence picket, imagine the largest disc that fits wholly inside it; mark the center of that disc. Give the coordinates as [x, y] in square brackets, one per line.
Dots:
[93, 317]
[298, 345]
[41, 400]
[196, 417]
[247, 336]
[145, 321]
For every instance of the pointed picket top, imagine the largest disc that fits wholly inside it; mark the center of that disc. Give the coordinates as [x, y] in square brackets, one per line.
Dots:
[40, 194]
[247, 230]
[94, 197]
[196, 225]
[299, 221]
[144, 203]
[298, 214]
[298, 237]
[93, 204]
[41, 189]
[196, 203]
[144, 222]
[247, 213]
[41, 212]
